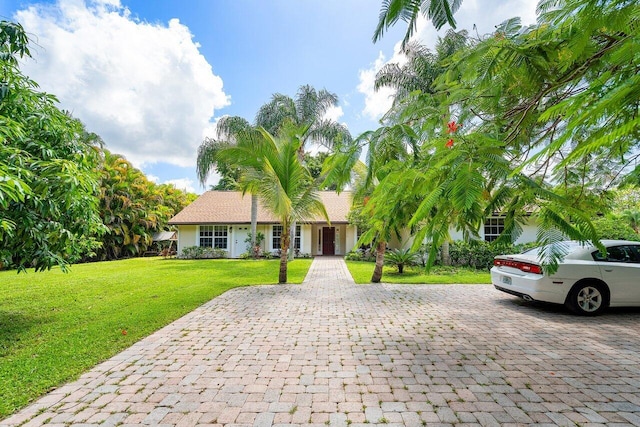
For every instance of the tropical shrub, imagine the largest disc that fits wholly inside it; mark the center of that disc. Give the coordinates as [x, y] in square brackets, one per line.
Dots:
[254, 251]
[615, 228]
[198, 252]
[360, 255]
[400, 258]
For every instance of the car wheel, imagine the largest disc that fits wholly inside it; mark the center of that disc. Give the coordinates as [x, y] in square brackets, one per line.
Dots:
[588, 298]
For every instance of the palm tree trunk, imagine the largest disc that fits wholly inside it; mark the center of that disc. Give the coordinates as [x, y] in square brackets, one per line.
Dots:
[446, 257]
[254, 223]
[284, 249]
[377, 271]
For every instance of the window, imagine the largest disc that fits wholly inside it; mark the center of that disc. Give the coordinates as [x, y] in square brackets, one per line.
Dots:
[214, 236]
[492, 228]
[277, 234]
[275, 237]
[619, 254]
[297, 241]
[220, 236]
[206, 236]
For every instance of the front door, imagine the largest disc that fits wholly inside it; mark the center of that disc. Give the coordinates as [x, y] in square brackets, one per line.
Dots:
[328, 241]
[239, 244]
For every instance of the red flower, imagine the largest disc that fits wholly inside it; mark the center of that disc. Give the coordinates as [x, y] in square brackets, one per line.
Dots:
[453, 127]
[124, 332]
[449, 143]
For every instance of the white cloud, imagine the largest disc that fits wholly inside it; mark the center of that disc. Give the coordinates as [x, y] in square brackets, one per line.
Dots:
[334, 113]
[376, 103]
[185, 184]
[144, 88]
[152, 178]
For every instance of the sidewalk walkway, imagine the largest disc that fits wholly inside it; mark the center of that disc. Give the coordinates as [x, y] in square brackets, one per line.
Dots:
[329, 352]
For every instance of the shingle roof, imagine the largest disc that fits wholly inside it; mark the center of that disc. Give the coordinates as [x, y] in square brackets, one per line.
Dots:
[230, 207]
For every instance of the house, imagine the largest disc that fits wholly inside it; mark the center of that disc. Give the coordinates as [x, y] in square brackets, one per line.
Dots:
[222, 219]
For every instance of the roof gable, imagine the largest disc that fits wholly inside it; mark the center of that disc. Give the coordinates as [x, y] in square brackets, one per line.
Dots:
[231, 207]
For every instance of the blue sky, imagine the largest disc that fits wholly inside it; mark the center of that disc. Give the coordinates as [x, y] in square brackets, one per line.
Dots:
[152, 77]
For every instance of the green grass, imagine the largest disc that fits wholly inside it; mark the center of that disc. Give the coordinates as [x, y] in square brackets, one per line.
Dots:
[55, 326]
[361, 272]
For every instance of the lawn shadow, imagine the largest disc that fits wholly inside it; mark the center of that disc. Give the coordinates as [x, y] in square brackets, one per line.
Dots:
[13, 326]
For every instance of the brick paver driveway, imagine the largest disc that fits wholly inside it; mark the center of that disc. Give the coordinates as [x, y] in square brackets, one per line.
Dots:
[333, 353]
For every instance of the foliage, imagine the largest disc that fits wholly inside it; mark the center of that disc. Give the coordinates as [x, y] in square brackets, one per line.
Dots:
[360, 254]
[400, 258]
[480, 254]
[440, 12]
[541, 119]
[48, 185]
[254, 246]
[55, 326]
[199, 252]
[615, 228]
[272, 168]
[133, 208]
[361, 273]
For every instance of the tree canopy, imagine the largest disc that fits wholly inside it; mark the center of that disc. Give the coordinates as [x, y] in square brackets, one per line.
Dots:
[48, 183]
[538, 120]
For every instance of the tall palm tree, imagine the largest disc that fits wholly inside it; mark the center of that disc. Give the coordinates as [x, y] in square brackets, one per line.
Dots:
[307, 112]
[272, 169]
[228, 129]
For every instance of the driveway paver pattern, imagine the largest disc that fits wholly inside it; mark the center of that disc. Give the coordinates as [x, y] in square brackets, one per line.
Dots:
[329, 352]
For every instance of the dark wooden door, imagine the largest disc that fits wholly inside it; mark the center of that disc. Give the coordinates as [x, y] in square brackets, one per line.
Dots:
[328, 241]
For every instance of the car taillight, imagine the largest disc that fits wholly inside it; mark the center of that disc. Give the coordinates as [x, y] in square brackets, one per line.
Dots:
[522, 266]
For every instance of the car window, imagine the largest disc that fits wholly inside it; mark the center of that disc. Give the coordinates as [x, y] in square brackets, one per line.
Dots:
[634, 252]
[625, 253]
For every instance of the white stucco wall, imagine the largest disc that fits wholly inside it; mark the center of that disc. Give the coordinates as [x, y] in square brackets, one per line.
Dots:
[351, 237]
[187, 236]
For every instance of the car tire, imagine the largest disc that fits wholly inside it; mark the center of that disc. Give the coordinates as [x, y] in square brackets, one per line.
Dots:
[588, 298]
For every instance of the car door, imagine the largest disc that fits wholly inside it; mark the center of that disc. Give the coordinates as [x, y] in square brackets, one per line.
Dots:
[621, 271]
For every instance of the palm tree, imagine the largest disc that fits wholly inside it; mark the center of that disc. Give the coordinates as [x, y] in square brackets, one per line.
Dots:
[440, 12]
[306, 111]
[228, 129]
[386, 146]
[271, 168]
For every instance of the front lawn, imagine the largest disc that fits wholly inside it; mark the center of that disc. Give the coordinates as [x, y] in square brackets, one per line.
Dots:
[362, 271]
[54, 326]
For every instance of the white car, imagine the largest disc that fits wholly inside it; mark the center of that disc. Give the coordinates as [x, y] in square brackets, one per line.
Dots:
[587, 282]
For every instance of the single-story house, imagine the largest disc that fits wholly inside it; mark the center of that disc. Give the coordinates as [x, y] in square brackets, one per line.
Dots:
[222, 219]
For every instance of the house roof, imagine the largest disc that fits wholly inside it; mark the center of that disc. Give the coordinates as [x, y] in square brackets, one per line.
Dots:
[231, 207]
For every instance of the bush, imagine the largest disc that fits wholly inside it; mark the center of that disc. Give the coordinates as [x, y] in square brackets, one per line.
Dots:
[198, 252]
[400, 258]
[360, 255]
[615, 228]
[476, 254]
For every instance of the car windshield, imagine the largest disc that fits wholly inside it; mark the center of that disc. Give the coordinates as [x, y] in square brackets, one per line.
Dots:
[566, 246]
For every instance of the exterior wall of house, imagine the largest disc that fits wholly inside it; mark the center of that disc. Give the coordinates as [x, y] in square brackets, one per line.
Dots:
[351, 237]
[306, 235]
[345, 238]
[187, 236]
